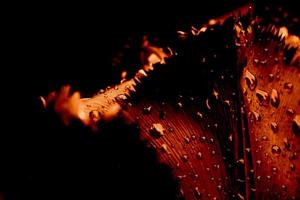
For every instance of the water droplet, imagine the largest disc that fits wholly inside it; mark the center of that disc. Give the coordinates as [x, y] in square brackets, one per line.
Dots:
[274, 169]
[293, 156]
[147, 110]
[290, 111]
[215, 94]
[258, 162]
[212, 178]
[268, 177]
[230, 138]
[203, 138]
[170, 129]
[193, 137]
[101, 91]
[258, 177]
[275, 98]
[185, 158]
[263, 62]
[241, 197]
[293, 167]
[121, 97]
[181, 176]
[157, 130]
[164, 148]
[262, 96]
[208, 169]
[254, 116]
[287, 144]
[213, 152]
[276, 149]
[250, 80]
[283, 187]
[179, 105]
[227, 102]
[265, 138]
[288, 86]
[219, 187]
[199, 155]
[187, 140]
[271, 77]
[255, 60]
[274, 127]
[296, 125]
[207, 104]
[212, 140]
[241, 161]
[197, 193]
[247, 150]
[199, 115]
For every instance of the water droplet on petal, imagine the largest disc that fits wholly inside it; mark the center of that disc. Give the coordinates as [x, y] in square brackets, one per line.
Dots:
[207, 104]
[262, 96]
[197, 193]
[263, 62]
[296, 125]
[164, 148]
[283, 187]
[250, 80]
[258, 162]
[241, 161]
[199, 115]
[293, 167]
[290, 111]
[274, 127]
[265, 138]
[185, 158]
[230, 138]
[254, 116]
[157, 130]
[241, 197]
[271, 77]
[275, 98]
[288, 86]
[287, 144]
[147, 110]
[187, 140]
[276, 149]
[199, 155]
[293, 156]
[203, 138]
